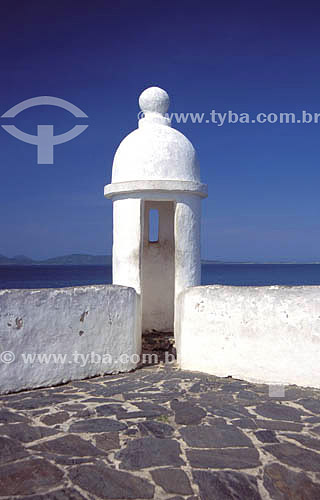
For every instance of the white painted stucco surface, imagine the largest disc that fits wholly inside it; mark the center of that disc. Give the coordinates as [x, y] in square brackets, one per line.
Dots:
[148, 187]
[156, 163]
[104, 320]
[260, 334]
[127, 235]
[128, 254]
[187, 243]
[155, 150]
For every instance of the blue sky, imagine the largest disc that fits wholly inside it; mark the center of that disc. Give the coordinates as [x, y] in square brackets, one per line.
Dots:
[263, 179]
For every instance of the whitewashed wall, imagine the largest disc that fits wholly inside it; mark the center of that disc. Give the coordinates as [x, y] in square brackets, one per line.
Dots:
[97, 328]
[260, 334]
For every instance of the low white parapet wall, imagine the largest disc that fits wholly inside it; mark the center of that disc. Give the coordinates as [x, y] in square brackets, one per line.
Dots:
[51, 336]
[260, 334]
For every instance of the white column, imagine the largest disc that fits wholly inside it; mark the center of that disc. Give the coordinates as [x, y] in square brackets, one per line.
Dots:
[126, 253]
[187, 243]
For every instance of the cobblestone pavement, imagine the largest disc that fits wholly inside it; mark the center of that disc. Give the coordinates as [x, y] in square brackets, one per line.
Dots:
[160, 433]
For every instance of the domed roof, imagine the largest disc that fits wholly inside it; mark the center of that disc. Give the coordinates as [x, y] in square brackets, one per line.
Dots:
[155, 151]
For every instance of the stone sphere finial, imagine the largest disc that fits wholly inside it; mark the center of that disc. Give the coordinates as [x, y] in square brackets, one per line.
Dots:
[154, 100]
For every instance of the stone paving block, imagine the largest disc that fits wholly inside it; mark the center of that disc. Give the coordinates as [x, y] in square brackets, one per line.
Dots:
[145, 443]
[97, 425]
[156, 429]
[245, 423]
[278, 425]
[27, 477]
[129, 415]
[34, 403]
[266, 436]
[10, 417]
[172, 481]
[307, 441]
[310, 404]
[248, 396]
[56, 418]
[215, 400]
[155, 408]
[72, 407]
[149, 389]
[226, 485]
[293, 392]
[228, 458]
[110, 483]
[187, 413]
[295, 456]
[10, 450]
[282, 484]
[108, 441]
[231, 412]
[217, 422]
[71, 445]
[316, 429]
[36, 413]
[26, 433]
[312, 420]
[150, 452]
[107, 410]
[205, 436]
[279, 411]
[163, 397]
[196, 387]
[172, 385]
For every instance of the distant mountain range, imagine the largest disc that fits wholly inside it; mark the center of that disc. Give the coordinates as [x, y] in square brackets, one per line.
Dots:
[74, 259]
[64, 260]
[101, 260]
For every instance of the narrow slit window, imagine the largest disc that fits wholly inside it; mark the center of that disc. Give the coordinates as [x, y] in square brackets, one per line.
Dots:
[153, 225]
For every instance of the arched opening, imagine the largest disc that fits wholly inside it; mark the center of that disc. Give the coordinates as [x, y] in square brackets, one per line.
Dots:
[158, 266]
[153, 225]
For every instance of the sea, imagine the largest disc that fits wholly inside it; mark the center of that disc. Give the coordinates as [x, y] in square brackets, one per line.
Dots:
[54, 276]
